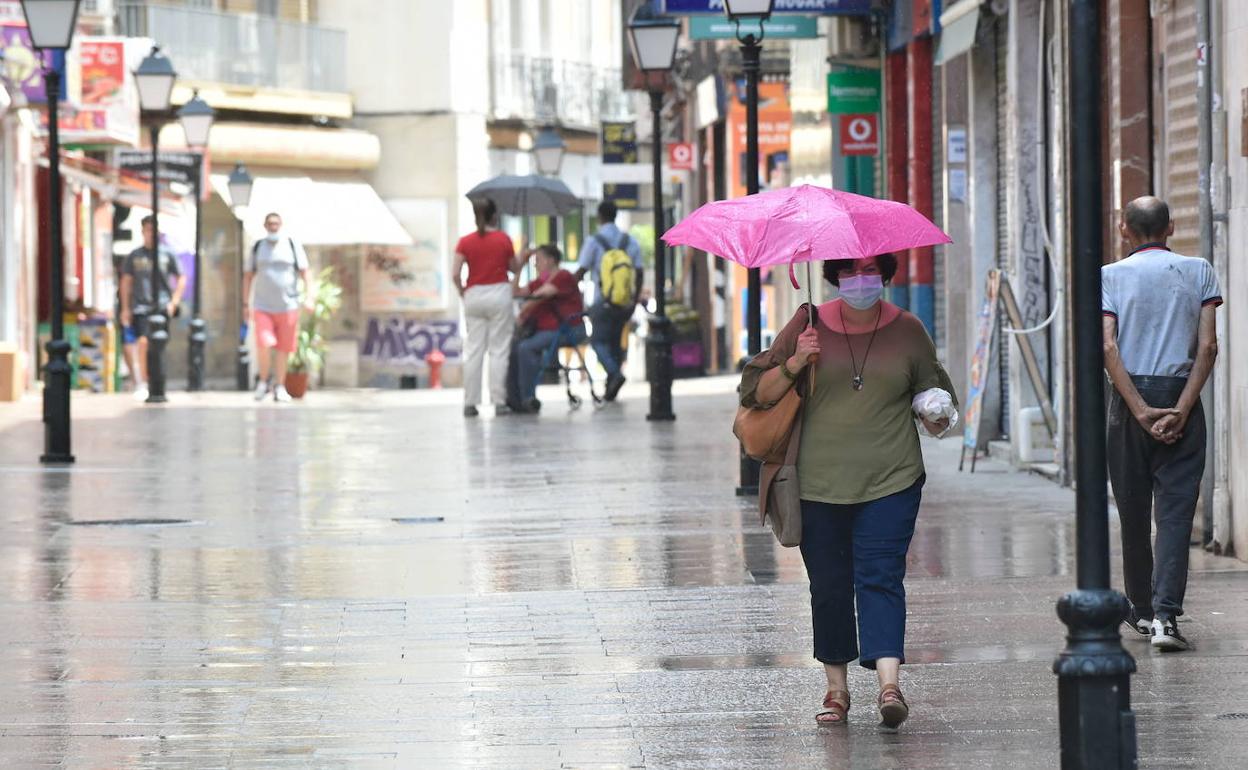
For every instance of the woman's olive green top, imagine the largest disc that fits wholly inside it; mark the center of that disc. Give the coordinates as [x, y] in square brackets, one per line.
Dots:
[857, 445]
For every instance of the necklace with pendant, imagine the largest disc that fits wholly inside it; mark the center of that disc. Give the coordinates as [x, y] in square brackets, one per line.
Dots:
[857, 383]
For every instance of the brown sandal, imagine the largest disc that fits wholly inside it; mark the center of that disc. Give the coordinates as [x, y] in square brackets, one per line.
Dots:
[893, 708]
[835, 708]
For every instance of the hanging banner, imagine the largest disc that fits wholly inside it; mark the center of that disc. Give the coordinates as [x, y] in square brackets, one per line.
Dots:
[852, 92]
[619, 146]
[23, 65]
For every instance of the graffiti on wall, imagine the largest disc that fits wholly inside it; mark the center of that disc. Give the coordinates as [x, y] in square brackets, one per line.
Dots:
[404, 342]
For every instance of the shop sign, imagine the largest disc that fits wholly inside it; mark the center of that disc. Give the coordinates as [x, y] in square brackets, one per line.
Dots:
[780, 27]
[680, 156]
[854, 92]
[175, 167]
[818, 7]
[619, 146]
[860, 135]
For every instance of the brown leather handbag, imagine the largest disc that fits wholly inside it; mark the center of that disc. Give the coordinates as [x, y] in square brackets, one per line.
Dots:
[764, 433]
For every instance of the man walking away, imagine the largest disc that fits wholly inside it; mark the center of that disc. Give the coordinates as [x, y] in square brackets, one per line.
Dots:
[613, 258]
[276, 266]
[137, 302]
[1160, 345]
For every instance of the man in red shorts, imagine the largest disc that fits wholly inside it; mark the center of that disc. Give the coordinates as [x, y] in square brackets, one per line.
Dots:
[276, 266]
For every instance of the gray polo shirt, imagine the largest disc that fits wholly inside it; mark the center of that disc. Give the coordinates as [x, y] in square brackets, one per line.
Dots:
[1157, 296]
[276, 265]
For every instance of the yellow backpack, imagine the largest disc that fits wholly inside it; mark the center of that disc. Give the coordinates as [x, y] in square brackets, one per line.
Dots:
[617, 277]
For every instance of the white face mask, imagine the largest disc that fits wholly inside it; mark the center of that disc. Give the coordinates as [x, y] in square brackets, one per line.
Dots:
[272, 237]
[861, 292]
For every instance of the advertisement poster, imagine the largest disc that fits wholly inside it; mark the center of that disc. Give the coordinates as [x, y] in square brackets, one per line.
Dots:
[23, 66]
[981, 361]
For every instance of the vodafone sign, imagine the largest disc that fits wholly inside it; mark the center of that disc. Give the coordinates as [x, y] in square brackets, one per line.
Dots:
[680, 156]
[860, 134]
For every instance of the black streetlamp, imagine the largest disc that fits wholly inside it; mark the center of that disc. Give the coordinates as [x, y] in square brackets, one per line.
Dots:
[196, 118]
[240, 196]
[751, 12]
[154, 79]
[653, 42]
[51, 24]
[1094, 671]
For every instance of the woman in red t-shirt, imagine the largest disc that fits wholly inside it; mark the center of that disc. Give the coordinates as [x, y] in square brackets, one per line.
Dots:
[489, 318]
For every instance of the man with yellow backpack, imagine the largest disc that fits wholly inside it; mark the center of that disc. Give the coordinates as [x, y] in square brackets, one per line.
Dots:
[613, 258]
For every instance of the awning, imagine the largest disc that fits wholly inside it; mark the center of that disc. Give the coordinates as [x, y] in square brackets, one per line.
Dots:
[958, 26]
[319, 212]
[306, 148]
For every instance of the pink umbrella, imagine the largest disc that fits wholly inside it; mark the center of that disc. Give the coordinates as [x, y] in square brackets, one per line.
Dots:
[803, 224]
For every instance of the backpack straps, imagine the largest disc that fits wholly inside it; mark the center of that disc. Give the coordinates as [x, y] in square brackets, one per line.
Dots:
[603, 242]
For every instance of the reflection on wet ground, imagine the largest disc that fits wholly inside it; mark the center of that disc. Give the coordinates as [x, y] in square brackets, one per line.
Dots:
[368, 580]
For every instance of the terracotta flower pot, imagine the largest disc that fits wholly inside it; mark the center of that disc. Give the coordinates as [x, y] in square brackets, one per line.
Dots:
[296, 384]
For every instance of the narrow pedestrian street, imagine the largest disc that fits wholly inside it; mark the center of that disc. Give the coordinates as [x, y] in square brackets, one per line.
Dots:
[367, 579]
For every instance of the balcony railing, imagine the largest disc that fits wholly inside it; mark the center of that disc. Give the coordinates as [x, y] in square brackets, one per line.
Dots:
[550, 91]
[242, 49]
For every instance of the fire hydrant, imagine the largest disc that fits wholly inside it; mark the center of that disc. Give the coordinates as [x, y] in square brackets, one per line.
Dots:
[435, 359]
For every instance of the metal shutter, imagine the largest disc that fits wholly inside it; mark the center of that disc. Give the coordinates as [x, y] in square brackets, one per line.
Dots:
[1004, 179]
[1176, 136]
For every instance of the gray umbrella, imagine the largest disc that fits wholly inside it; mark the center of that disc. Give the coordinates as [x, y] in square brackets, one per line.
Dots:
[527, 196]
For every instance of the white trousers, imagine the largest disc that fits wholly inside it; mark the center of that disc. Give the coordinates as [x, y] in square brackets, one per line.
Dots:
[489, 319]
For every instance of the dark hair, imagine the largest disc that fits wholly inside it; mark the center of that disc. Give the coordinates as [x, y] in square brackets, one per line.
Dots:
[484, 210]
[1147, 217]
[551, 250]
[148, 220]
[887, 263]
[607, 211]
[272, 214]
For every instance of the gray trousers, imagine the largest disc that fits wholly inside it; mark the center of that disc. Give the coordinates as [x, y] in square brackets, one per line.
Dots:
[1155, 480]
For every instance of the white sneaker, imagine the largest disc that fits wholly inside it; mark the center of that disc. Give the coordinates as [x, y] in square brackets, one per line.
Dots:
[280, 395]
[1166, 636]
[262, 390]
[140, 393]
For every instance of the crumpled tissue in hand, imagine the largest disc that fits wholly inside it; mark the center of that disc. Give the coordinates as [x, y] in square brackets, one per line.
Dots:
[935, 404]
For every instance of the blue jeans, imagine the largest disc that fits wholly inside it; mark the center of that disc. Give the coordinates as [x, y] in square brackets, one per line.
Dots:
[532, 356]
[859, 551]
[609, 322]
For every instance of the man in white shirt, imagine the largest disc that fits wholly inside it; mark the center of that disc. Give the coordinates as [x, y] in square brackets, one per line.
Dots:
[274, 268]
[1160, 336]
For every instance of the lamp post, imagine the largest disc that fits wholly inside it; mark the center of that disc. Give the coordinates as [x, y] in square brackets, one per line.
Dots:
[154, 79]
[51, 24]
[653, 41]
[548, 149]
[196, 117]
[240, 196]
[1094, 671]
[751, 12]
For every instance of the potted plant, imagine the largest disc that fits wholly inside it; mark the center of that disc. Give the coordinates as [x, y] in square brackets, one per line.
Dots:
[309, 355]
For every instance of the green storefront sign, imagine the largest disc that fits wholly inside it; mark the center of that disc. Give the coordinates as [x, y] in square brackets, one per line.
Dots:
[719, 28]
[854, 92]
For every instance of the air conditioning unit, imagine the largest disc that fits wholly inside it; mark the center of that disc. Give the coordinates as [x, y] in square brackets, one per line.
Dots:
[851, 37]
[98, 7]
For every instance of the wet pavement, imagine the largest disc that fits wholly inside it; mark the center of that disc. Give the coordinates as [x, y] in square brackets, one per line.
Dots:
[369, 580]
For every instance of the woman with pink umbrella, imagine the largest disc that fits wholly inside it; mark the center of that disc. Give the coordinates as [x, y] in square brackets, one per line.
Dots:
[859, 464]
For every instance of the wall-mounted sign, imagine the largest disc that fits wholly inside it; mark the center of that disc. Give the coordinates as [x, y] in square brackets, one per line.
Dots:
[818, 7]
[956, 145]
[776, 28]
[854, 92]
[860, 134]
[680, 156]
